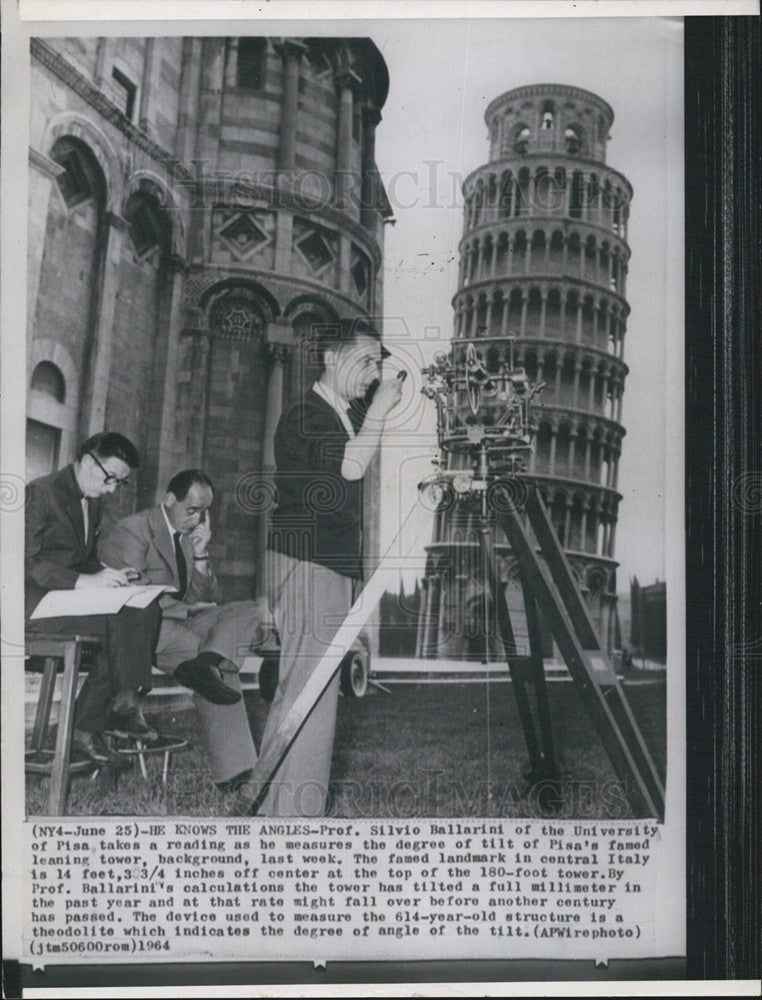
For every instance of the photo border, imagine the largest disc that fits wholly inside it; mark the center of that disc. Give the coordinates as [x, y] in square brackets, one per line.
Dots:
[724, 643]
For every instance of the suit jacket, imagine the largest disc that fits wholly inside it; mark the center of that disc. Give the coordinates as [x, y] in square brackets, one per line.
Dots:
[143, 541]
[56, 551]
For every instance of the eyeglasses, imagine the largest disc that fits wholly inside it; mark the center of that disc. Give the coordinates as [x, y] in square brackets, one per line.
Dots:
[109, 477]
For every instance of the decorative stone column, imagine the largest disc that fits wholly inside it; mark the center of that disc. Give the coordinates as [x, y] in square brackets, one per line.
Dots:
[291, 52]
[209, 108]
[104, 60]
[543, 311]
[504, 317]
[612, 540]
[433, 604]
[100, 370]
[488, 315]
[185, 137]
[346, 82]
[368, 184]
[277, 349]
[40, 180]
[150, 86]
[480, 260]
[575, 392]
[552, 460]
[231, 64]
[591, 391]
[194, 354]
[172, 315]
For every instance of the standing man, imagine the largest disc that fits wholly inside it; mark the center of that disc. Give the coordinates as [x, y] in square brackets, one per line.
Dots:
[202, 642]
[61, 532]
[314, 558]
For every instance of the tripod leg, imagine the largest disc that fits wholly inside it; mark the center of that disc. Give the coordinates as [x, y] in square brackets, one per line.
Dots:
[537, 669]
[645, 794]
[503, 619]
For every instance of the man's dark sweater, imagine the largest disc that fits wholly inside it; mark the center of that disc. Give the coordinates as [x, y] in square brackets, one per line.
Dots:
[318, 517]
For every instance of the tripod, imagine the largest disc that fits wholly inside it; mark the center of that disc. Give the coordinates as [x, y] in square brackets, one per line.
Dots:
[552, 594]
[486, 413]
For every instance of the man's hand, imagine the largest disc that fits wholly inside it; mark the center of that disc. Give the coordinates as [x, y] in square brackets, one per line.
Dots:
[385, 398]
[198, 606]
[107, 577]
[200, 537]
[360, 449]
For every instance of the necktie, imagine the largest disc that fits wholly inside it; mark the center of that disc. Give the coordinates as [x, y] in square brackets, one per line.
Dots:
[182, 567]
[86, 517]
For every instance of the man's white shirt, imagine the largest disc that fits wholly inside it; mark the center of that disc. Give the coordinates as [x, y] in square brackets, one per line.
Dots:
[336, 403]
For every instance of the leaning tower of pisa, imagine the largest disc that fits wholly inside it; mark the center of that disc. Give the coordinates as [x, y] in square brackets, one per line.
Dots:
[542, 281]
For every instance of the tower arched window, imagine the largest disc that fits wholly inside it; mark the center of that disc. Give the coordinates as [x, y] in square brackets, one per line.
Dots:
[572, 139]
[46, 419]
[521, 136]
[149, 227]
[82, 177]
[548, 117]
[48, 380]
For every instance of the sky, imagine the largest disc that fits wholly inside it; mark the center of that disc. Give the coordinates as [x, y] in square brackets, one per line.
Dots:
[443, 74]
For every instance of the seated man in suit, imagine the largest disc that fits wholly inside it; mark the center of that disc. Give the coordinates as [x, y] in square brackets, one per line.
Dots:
[61, 532]
[202, 642]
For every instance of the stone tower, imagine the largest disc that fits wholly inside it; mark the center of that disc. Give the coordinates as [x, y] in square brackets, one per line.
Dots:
[542, 280]
[196, 205]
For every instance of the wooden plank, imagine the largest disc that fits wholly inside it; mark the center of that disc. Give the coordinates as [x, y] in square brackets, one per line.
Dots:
[600, 670]
[59, 775]
[54, 645]
[561, 571]
[518, 675]
[537, 667]
[44, 703]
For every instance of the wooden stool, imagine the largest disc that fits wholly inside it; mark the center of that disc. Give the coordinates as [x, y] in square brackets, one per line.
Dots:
[56, 649]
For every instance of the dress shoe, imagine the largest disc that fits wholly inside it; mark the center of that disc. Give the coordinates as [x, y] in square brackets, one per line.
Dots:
[99, 751]
[235, 783]
[131, 725]
[205, 680]
[79, 754]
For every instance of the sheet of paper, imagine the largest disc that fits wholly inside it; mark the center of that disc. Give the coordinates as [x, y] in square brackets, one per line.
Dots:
[65, 603]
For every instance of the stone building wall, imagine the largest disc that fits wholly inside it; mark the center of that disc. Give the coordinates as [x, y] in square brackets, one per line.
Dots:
[196, 205]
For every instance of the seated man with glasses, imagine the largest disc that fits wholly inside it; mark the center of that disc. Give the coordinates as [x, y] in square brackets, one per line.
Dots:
[61, 536]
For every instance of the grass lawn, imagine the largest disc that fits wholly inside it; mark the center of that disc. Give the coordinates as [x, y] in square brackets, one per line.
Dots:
[436, 750]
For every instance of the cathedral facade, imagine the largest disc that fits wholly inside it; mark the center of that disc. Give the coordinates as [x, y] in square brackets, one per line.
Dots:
[196, 207]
